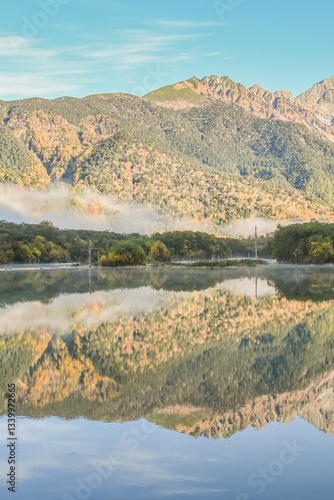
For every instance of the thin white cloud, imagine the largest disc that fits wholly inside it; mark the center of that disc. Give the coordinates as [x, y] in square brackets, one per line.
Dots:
[142, 48]
[186, 24]
[157, 37]
[24, 49]
[212, 54]
[140, 44]
[228, 58]
[21, 47]
[33, 84]
[40, 71]
[66, 26]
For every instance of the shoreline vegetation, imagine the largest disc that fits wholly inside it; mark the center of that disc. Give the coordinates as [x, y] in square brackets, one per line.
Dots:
[304, 243]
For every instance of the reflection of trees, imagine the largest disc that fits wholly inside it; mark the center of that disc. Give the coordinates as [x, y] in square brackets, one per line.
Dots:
[45, 285]
[133, 344]
[295, 283]
[314, 286]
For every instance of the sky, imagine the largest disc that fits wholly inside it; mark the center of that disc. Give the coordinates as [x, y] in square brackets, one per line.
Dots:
[52, 48]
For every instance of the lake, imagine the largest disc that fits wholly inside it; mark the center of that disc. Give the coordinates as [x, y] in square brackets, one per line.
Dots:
[169, 383]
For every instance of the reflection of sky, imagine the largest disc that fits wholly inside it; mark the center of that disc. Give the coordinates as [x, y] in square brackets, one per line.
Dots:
[69, 311]
[55, 456]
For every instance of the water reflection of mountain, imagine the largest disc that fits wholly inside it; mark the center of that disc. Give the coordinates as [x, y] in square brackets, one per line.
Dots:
[211, 361]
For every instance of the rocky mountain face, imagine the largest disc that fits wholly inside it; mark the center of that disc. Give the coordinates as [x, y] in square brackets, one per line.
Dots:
[319, 99]
[314, 108]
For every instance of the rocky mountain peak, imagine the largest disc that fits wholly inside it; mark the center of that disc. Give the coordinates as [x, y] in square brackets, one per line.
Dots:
[285, 94]
[320, 100]
[257, 89]
[318, 91]
[314, 108]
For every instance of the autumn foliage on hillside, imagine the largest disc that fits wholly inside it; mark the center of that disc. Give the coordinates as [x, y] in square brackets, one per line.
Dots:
[216, 162]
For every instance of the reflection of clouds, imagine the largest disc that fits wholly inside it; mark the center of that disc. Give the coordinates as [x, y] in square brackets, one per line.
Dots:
[39, 445]
[172, 492]
[46, 445]
[165, 465]
[26, 429]
[3, 429]
[247, 286]
[215, 460]
[67, 312]
[145, 469]
[166, 473]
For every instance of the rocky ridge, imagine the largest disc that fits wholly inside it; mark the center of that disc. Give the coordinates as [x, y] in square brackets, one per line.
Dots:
[314, 108]
[319, 99]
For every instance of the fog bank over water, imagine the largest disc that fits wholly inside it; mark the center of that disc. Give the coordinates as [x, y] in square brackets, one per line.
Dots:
[67, 208]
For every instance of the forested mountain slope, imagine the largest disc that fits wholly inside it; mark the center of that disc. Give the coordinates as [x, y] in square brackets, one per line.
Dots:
[206, 149]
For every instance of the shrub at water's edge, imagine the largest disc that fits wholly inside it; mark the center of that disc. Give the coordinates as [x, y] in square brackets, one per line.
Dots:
[125, 253]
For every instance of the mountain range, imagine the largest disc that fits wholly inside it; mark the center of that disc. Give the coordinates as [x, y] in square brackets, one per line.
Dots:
[210, 149]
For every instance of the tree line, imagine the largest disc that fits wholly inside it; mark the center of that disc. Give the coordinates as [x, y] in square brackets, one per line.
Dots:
[45, 243]
[307, 243]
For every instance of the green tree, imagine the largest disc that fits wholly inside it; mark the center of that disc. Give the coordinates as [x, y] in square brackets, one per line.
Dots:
[22, 253]
[321, 253]
[159, 252]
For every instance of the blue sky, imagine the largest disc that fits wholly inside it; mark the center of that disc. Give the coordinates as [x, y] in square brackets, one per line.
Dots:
[51, 48]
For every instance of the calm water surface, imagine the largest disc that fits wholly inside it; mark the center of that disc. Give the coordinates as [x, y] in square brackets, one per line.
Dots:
[161, 383]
